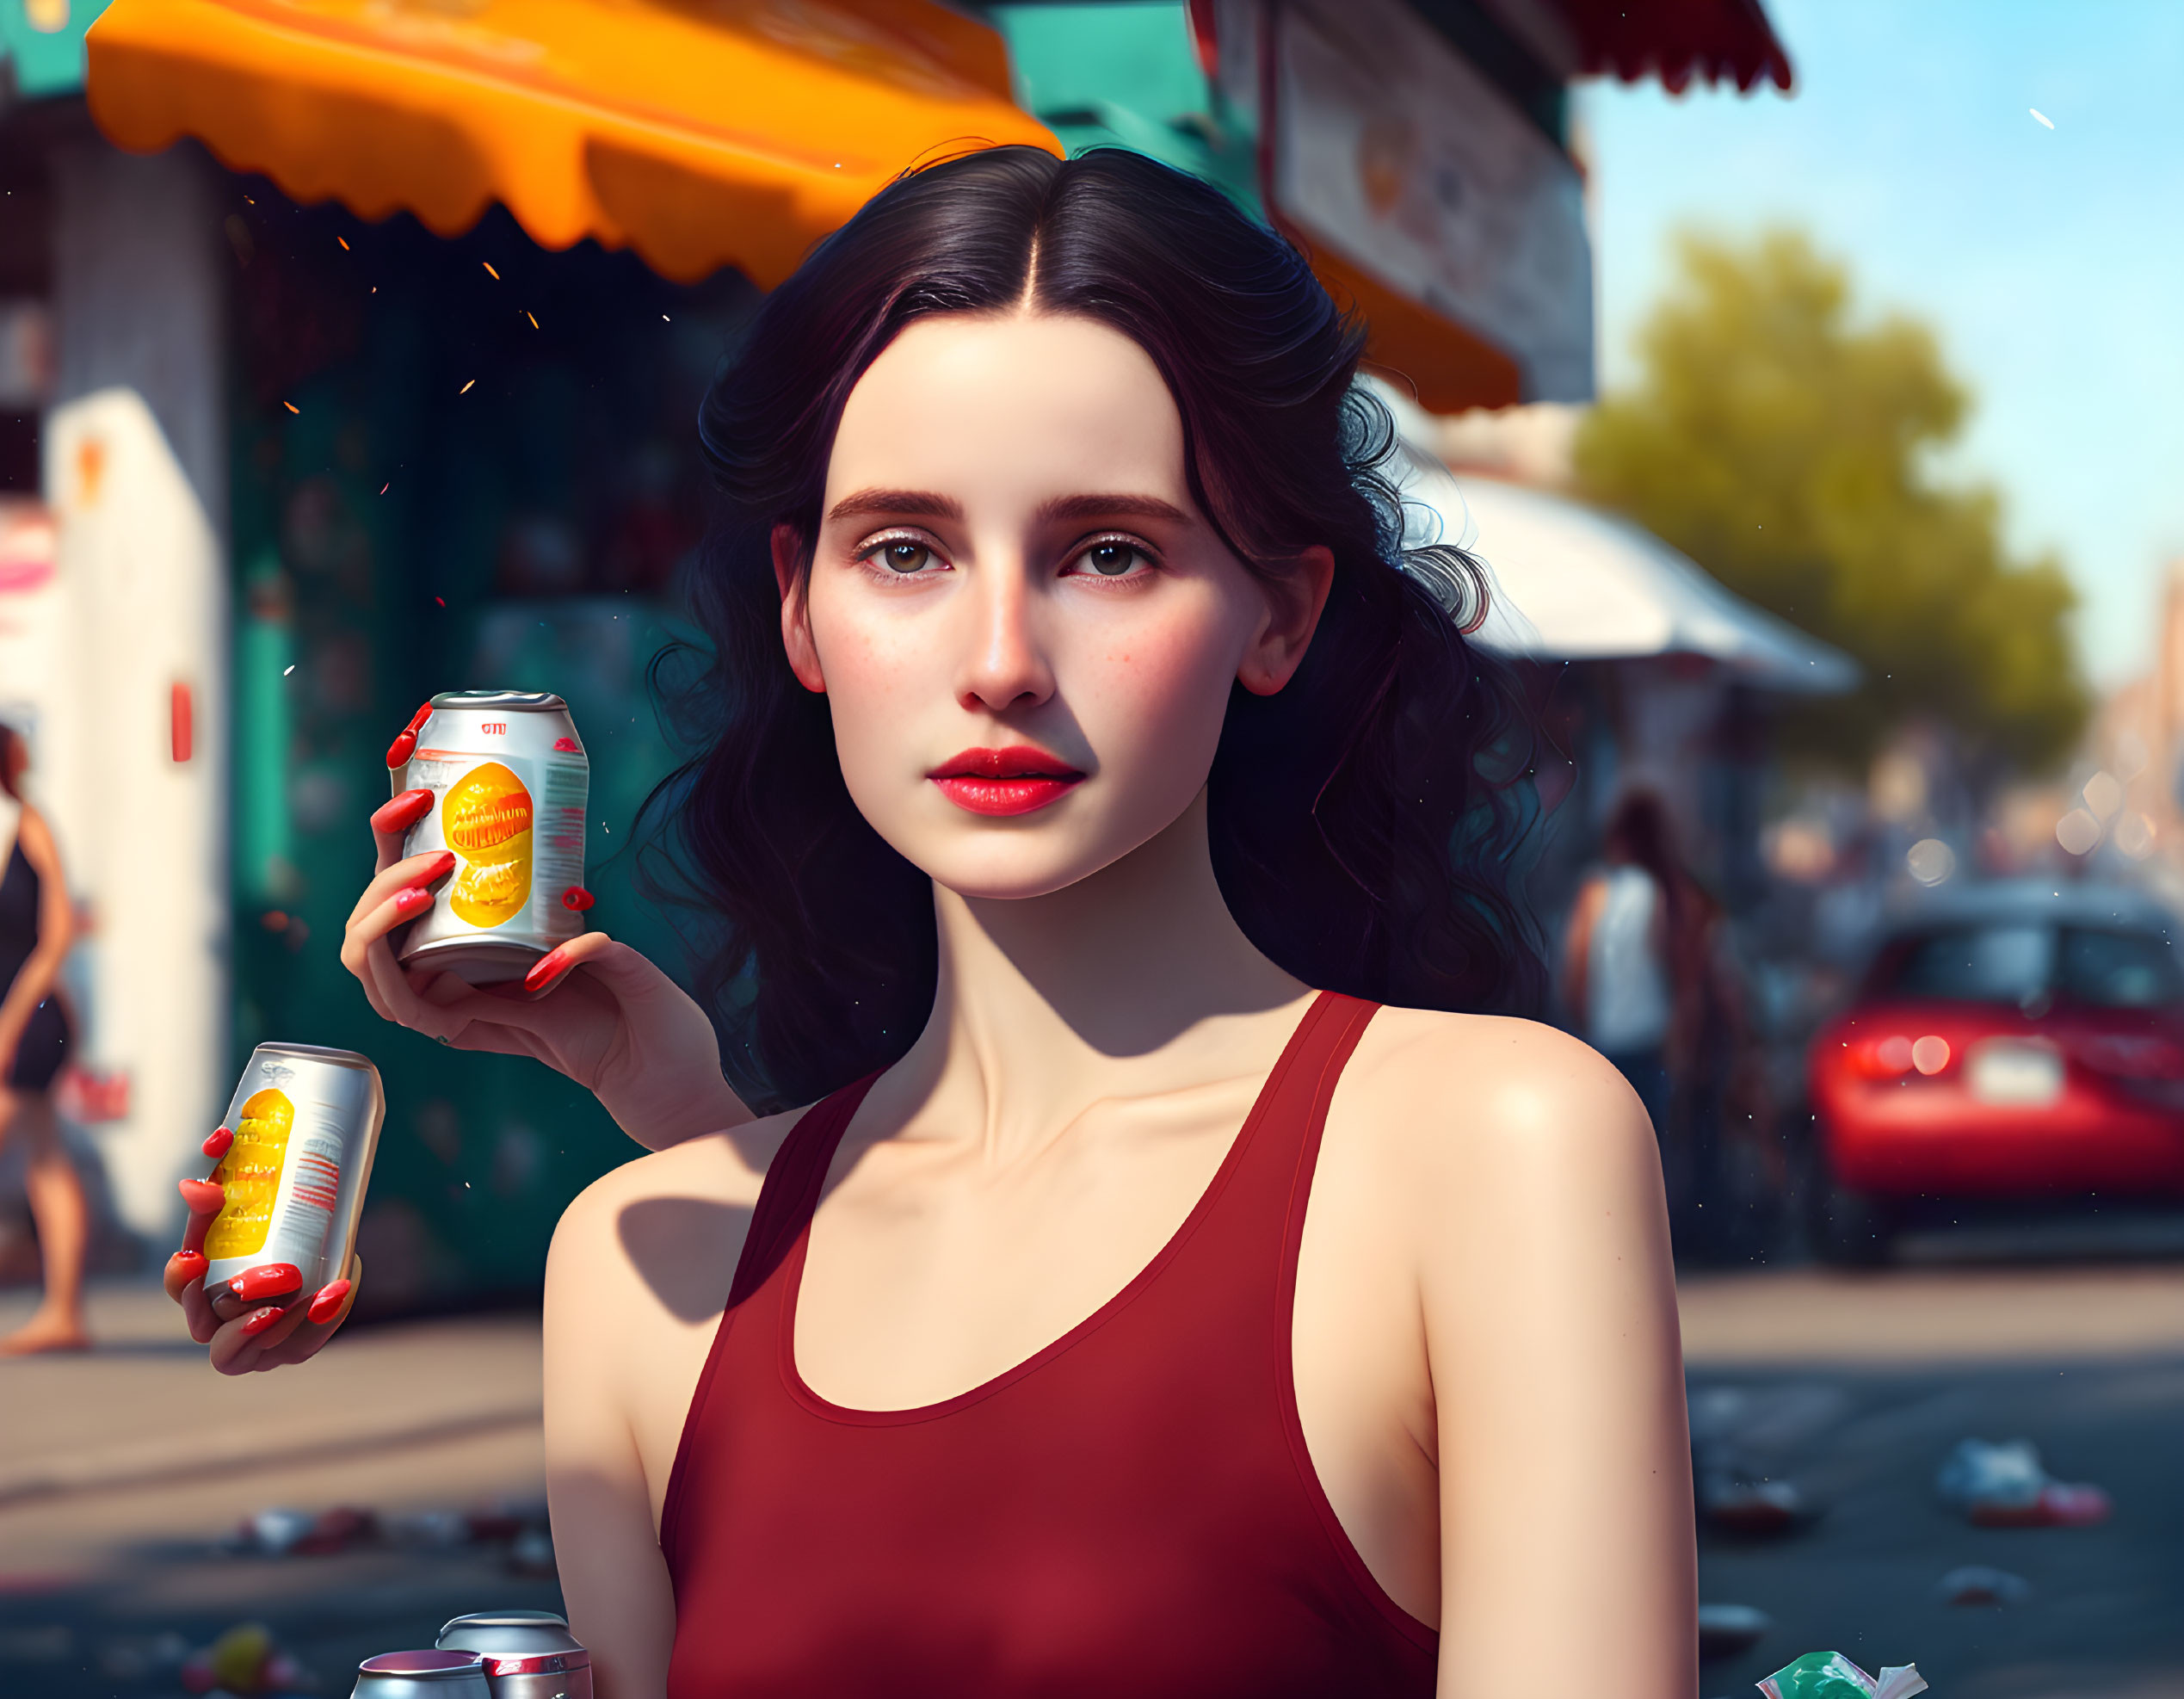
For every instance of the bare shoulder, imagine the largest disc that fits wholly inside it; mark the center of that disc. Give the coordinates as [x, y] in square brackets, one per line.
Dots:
[1486, 1107]
[725, 1167]
[666, 1224]
[37, 840]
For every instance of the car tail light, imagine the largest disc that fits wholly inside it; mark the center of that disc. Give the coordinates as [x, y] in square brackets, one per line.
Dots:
[1892, 1055]
[1884, 1058]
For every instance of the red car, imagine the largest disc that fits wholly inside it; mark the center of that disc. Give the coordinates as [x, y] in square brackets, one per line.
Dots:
[2015, 1041]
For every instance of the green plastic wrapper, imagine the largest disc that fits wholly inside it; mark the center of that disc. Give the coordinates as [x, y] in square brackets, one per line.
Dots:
[1829, 1675]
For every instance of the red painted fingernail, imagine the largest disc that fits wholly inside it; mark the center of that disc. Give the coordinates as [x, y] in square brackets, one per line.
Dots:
[547, 968]
[328, 1304]
[404, 811]
[270, 1280]
[203, 1197]
[418, 718]
[412, 901]
[261, 1321]
[575, 897]
[401, 749]
[217, 1142]
[190, 1264]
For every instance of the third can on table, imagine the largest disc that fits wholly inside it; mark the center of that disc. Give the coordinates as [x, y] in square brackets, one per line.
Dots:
[508, 781]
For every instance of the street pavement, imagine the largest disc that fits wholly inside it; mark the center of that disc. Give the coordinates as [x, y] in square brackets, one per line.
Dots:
[1855, 1385]
[121, 1471]
[2102, 1617]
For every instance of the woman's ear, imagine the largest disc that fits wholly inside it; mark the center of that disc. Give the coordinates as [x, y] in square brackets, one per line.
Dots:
[796, 610]
[1294, 600]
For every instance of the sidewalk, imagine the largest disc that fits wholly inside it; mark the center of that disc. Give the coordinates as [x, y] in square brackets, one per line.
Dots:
[141, 1441]
[119, 1470]
[1916, 1317]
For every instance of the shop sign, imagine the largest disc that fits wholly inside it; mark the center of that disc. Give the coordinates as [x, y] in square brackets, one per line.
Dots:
[1388, 147]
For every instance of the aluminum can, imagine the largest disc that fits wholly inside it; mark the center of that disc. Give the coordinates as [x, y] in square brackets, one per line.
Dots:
[428, 1674]
[509, 782]
[530, 1654]
[307, 1122]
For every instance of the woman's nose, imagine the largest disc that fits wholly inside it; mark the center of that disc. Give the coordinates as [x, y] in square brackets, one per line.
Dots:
[1004, 663]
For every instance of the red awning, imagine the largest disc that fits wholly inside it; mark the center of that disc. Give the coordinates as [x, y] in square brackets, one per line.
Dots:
[1716, 40]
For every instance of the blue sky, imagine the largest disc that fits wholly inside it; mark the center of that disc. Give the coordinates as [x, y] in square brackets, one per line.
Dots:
[2051, 262]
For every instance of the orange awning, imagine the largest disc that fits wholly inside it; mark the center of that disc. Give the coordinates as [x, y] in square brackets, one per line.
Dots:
[702, 133]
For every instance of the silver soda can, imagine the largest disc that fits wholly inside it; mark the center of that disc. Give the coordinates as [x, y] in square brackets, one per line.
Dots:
[429, 1674]
[305, 1122]
[509, 782]
[530, 1654]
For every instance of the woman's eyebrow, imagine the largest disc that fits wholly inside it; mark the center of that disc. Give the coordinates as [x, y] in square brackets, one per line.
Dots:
[1102, 507]
[922, 503]
[930, 504]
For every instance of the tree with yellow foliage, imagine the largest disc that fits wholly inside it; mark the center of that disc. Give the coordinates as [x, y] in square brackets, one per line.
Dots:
[1787, 450]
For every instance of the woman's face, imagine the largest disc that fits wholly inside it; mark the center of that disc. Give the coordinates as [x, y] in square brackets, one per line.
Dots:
[1026, 630]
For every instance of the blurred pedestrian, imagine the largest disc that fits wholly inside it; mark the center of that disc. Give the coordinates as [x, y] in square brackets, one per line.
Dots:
[37, 925]
[1646, 975]
[1616, 976]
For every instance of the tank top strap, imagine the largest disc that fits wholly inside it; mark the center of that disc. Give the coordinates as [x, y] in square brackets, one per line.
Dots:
[1305, 1079]
[789, 1195]
[787, 1198]
[1262, 1199]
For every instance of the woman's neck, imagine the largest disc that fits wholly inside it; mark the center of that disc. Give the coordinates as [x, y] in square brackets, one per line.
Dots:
[1133, 980]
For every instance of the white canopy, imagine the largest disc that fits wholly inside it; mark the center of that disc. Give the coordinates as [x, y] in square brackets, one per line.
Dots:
[1571, 582]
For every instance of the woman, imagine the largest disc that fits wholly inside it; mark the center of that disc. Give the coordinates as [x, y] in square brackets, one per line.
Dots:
[37, 926]
[1644, 972]
[1073, 727]
[1630, 919]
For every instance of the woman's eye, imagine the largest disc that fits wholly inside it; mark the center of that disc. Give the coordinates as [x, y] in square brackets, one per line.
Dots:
[1111, 559]
[902, 556]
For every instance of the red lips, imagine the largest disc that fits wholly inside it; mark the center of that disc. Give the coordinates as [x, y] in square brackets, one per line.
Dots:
[1012, 780]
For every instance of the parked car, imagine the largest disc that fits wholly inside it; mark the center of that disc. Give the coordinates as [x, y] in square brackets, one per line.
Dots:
[2014, 1041]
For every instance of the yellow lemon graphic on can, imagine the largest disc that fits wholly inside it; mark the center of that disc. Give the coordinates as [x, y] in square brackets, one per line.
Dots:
[251, 1172]
[486, 820]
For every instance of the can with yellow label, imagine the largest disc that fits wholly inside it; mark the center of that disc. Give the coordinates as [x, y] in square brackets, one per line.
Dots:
[509, 783]
[304, 1122]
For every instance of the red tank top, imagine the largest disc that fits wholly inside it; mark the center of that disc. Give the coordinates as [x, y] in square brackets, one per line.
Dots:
[1130, 1511]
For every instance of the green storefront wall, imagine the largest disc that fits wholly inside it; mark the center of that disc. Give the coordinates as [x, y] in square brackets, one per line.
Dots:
[41, 45]
[1125, 74]
[444, 477]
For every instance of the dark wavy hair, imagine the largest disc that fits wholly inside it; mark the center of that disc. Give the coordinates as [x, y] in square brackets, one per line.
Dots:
[1363, 819]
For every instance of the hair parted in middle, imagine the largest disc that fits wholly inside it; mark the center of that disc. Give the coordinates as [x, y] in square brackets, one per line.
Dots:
[1365, 819]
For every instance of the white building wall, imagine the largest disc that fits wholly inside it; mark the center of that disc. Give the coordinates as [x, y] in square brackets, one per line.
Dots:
[136, 474]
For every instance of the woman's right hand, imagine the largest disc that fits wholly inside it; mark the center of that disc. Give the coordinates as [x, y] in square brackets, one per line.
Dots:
[252, 1329]
[594, 1010]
